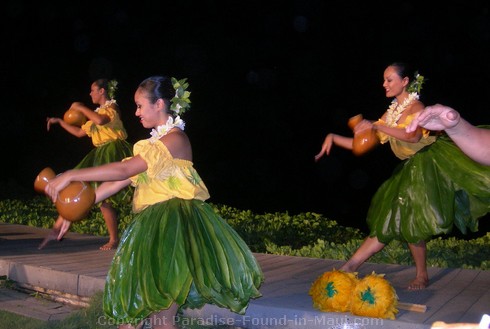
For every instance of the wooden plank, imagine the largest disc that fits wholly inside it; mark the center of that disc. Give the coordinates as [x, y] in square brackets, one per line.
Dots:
[464, 293]
[478, 309]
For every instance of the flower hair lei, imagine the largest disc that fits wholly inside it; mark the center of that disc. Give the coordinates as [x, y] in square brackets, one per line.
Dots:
[111, 92]
[111, 88]
[395, 110]
[416, 84]
[180, 103]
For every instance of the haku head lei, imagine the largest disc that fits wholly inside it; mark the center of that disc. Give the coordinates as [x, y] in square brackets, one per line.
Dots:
[416, 84]
[111, 88]
[180, 102]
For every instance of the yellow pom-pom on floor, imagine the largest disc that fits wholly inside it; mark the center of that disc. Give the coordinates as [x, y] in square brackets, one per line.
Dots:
[332, 291]
[375, 297]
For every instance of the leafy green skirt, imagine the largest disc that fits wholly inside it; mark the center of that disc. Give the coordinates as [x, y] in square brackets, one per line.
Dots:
[428, 194]
[110, 152]
[179, 251]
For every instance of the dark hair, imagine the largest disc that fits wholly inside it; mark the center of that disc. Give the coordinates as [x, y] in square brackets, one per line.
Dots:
[157, 87]
[102, 83]
[403, 70]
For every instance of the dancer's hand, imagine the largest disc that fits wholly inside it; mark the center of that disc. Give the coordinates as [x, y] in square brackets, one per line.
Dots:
[51, 121]
[65, 227]
[326, 147]
[55, 185]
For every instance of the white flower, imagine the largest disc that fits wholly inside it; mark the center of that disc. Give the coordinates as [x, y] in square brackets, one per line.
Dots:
[395, 110]
[162, 130]
[179, 123]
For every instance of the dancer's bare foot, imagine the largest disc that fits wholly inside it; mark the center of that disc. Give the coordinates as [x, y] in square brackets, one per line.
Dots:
[110, 245]
[418, 284]
[347, 267]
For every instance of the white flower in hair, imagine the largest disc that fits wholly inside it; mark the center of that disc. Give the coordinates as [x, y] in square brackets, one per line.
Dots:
[180, 103]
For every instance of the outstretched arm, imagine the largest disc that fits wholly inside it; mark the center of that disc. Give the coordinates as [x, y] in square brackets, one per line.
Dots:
[107, 189]
[104, 191]
[91, 115]
[473, 141]
[331, 139]
[111, 172]
[74, 130]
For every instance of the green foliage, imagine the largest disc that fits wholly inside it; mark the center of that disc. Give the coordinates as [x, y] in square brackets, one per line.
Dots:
[442, 253]
[180, 102]
[11, 320]
[456, 253]
[38, 212]
[284, 229]
[416, 84]
[5, 282]
[112, 88]
[306, 234]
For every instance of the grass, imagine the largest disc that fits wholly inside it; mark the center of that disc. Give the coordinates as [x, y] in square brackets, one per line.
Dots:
[11, 320]
[91, 317]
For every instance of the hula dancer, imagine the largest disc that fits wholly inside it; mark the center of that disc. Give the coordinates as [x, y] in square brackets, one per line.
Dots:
[435, 188]
[105, 128]
[177, 252]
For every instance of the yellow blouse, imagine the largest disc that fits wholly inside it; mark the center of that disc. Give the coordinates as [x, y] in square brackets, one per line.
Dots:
[402, 149]
[165, 178]
[111, 131]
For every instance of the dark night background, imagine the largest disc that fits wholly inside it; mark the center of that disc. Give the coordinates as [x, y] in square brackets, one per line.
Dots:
[269, 80]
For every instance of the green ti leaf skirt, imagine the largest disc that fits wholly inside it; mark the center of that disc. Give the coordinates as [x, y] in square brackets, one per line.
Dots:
[429, 194]
[110, 152]
[179, 251]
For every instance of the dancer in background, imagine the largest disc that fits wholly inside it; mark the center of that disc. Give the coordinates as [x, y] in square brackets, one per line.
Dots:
[177, 252]
[105, 128]
[429, 193]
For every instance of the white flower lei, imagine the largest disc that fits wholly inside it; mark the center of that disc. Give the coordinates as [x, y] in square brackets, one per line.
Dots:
[395, 110]
[107, 104]
[162, 130]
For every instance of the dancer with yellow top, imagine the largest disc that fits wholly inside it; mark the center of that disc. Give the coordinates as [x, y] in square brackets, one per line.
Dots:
[435, 188]
[177, 252]
[106, 129]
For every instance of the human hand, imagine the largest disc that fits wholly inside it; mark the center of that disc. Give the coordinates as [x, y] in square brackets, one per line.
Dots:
[51, 121]
[435, 117]
[363, 125]
[55, 185]
[64, 228]
[327, 145]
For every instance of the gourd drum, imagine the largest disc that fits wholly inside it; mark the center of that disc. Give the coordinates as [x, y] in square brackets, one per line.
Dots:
[42, 179]
[74, 117]
[74, 201]
[364, 140]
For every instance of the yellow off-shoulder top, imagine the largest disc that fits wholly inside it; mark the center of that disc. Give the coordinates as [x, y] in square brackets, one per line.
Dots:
[404, 150]
[165, 178]
[113, 130]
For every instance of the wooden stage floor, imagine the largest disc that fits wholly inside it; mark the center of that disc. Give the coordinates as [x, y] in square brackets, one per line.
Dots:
[76, 267]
